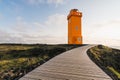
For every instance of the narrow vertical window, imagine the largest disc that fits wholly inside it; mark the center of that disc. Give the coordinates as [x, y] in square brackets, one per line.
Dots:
[76, 28]
[79, 39]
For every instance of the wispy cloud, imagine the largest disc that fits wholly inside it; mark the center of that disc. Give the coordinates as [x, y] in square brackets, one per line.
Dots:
[37, 2]
[104, 33]
[53, 30]
[55, 1]
[9, 38]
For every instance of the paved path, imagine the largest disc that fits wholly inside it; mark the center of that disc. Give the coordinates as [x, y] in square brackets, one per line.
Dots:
[70, 65]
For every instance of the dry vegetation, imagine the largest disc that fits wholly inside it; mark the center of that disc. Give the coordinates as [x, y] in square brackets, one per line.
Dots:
[107, 59]
[17, 59]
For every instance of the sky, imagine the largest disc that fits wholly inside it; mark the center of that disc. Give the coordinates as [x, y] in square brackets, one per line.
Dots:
[45, 21]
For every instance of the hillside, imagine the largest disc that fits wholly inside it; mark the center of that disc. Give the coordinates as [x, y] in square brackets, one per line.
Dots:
[18, 59]
[107, 59]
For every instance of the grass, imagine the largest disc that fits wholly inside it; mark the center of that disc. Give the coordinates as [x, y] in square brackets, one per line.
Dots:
[114, 71]
[107, 59]
[16, 63]
[15, 47]
[18, 59]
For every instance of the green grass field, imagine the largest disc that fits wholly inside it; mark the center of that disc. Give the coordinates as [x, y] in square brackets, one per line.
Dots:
[18, 59]
[107, 59]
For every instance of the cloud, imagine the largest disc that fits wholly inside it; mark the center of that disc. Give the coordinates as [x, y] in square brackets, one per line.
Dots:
[56, 2]
[9, 38]
[35, 1]
[20, 25]
[51, 31]
[4, 36]
[54, 30]
[103, 33]
[108, 30]
[56, 23]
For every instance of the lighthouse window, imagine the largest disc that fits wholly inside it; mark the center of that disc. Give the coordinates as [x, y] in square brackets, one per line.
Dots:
[76, 28]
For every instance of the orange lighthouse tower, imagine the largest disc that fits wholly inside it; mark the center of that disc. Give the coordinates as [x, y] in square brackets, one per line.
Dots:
[74, 27]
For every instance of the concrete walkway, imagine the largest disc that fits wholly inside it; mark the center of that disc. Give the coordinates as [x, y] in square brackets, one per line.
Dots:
[70, 65]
